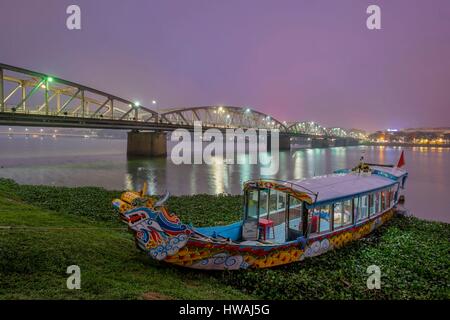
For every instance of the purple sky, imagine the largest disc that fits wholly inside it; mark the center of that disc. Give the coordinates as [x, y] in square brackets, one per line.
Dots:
[296, 60]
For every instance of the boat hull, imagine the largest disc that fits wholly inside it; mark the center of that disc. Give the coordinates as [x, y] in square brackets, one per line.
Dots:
[212, 256]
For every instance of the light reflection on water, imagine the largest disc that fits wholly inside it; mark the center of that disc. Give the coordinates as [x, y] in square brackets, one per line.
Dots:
[80, 162]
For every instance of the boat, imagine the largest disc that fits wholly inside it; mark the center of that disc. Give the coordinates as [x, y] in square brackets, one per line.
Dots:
[283, 221]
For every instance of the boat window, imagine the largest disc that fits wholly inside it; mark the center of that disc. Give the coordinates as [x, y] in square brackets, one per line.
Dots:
[277, 201]
[313, 219]
[295, 213]
[361, 207]
[325, 219]
[263, 202]
[388, 198]
[273, 201]
[383, 201]
[277, 206]
[252, 204]
[295, 203]
[393, 191]
[372, 208]
[377, 203]
[347, 213]
[281, 201]
[337, 215]
[387, 201]
[320, 219]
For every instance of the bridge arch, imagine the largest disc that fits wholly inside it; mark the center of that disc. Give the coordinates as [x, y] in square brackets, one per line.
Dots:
[29, 92]
[223, 117]
[308, 128]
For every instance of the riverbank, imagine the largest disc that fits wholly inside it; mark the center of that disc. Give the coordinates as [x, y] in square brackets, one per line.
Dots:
[45, 229]
[406, 145]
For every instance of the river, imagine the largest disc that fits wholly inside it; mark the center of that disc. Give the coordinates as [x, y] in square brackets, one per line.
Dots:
[100, 162]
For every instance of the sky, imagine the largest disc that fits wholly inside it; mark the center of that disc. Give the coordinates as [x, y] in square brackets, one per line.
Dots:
[295, 60]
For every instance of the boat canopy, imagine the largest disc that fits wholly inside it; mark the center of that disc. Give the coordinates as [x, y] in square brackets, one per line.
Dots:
[332, 187]
[289, 187]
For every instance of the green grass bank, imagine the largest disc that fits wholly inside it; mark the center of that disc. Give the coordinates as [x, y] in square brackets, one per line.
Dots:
[45, 229]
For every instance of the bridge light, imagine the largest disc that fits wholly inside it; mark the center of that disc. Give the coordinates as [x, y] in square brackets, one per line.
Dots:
[43, 86]
[153, 101]
[247, 110]
[137, 104]
[228, 116]
[49, 79]
[220, 109]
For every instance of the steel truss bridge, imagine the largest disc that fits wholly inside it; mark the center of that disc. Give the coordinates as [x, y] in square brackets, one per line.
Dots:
[29, 98]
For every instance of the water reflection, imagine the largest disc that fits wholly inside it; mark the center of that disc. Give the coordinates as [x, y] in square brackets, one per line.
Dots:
[217, 168]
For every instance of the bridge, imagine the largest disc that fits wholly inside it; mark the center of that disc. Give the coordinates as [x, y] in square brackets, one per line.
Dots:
[30, 98]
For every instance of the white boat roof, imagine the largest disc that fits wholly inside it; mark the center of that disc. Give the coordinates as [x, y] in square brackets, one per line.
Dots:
[341, 185]
[396, 172]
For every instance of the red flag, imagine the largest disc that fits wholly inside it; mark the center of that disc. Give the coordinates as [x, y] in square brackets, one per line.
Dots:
[401, 161]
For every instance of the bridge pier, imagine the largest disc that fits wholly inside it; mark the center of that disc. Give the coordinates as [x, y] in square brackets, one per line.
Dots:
[149, 144]
[284, 143]
[319, 143]
[345, 142]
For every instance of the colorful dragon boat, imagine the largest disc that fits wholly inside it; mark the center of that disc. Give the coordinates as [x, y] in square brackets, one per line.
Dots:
[283, 221]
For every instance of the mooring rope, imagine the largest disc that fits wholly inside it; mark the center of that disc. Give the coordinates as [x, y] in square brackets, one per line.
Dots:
[57, 228]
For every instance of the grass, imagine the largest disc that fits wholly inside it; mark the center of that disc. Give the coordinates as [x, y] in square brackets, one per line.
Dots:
[77, 226]
[413, 257]
[33, 262]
